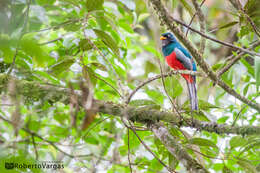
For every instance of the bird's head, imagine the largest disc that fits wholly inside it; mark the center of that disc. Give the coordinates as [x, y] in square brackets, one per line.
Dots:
[167, 38]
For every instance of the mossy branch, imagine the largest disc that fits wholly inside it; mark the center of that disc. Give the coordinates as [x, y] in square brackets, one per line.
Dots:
[35, 91]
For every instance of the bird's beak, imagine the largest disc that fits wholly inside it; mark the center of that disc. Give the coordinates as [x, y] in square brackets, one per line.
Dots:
[163, 38]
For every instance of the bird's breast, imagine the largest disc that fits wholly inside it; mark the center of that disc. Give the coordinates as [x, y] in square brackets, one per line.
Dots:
[173, 62]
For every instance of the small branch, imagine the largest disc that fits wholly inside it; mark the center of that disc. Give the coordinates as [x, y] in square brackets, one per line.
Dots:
[193, 17]
[108, 85]
[175, 148]
[168, 20]
[234, 60]
[129, 152]
[148, 149]
[175, 72]
[35, 148]
[202, 23]
[213, 39]
[51, 41]
[239, 113]
[174, 108]
[59, 25]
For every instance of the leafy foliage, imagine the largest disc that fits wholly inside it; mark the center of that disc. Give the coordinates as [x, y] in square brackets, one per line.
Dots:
[107, 48]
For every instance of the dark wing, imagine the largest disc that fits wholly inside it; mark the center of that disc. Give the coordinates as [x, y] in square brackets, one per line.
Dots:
[186, 61]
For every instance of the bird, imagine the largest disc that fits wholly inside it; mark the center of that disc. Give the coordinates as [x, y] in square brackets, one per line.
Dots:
[178, 58]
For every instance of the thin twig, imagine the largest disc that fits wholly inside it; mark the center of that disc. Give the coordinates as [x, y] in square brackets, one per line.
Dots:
[239, 113]
[215, 40]
[59, 25]
[97, 123]
[108, 85]
[234, 59]
[129, 152]
[174, 72]
[35, 148]
[51, 41]
[197, 11]
[148, 149]
[164, 87]
[201, 22]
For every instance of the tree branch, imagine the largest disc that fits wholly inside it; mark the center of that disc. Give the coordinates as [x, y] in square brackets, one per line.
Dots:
[34, 91]
[166, 19]
[175, 148]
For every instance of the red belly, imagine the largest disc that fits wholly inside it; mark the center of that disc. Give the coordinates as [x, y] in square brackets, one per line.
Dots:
[174, 63]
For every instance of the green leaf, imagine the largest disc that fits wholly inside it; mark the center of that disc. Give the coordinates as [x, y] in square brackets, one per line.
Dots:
[222, 119]
[62, 66]
[237, 141]
[150, 67]
[155, 95]
[31, 47]
[6, 45]
[187, 6]
[45, 76]
[250, 145]
[94, 5]
[53, 151]
[142, 17]
[247, 166]
[228, 25]
[226, 169]
[218, 166]
[108, 40]
[126, 26]
[257, 72]
[133, 140]
[173, 86]
[250, 69]
[85, 45]
[244, 30]
[89, 75]
[206, 105]
[245, 90]
[34, 125]
[173, 162]
[98, 65]
[202, 142]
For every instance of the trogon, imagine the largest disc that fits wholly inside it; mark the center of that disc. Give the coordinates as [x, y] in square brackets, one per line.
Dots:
[178, 58]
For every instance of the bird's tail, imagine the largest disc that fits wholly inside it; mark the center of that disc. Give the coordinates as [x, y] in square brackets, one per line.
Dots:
[193, 95]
